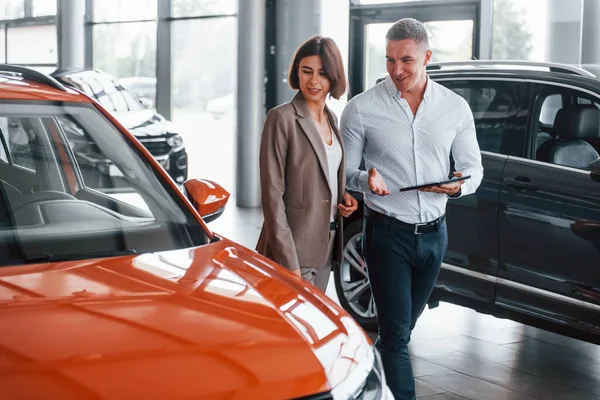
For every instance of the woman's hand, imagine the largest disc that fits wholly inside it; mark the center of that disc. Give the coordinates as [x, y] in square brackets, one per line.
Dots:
[348, 205]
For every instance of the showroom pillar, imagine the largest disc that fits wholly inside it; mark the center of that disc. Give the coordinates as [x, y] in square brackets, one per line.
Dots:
[164, 78]
[296, 22]
[250, 110]
[563, 31]
[590, 44]
[70, 26]
[486, 18]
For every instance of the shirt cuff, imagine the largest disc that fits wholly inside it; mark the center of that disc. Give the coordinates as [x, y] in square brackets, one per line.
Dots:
[363, 181]
[456, 195]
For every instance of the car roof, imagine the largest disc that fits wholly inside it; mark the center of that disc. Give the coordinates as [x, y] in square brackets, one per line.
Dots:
[518, 65]
[520, 70]
[21, 83]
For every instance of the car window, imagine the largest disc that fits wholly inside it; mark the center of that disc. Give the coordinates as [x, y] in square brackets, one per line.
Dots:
[493, 103]
[118, 206]
[550, 107]
[97, 172]
[594, 102]
[548, 141]
[19, 133]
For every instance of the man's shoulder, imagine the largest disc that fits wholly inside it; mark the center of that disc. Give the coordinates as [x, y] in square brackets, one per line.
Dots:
[444, 91]
[367, 97]
[447, 95]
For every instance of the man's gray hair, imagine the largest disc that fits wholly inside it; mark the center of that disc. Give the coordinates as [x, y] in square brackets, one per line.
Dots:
[408, 28]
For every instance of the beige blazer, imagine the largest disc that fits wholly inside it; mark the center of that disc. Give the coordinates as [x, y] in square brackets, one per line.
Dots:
[296, 198]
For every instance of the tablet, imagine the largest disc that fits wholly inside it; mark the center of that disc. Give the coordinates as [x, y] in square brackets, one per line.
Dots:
[455, 179]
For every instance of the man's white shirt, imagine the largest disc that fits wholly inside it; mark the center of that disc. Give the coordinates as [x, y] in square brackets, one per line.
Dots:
[408, 149]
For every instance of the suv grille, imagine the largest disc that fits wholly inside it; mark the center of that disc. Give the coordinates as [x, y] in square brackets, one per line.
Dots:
[157, 147]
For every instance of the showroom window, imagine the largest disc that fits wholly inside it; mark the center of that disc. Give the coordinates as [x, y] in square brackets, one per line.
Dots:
[30, 45]
[28, 33]
[124, 44]
[191, 8]
[126, 50]
[12, 9]
[519, 30]
[204, 68]
[44, 7]
[124, 10]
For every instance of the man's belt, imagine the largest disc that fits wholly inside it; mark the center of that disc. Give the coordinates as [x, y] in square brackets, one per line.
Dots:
[417, 229]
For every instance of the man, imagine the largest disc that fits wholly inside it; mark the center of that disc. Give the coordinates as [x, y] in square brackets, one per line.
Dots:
[405, 128]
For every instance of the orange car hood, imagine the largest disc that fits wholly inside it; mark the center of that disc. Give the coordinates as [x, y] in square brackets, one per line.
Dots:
[203, 323]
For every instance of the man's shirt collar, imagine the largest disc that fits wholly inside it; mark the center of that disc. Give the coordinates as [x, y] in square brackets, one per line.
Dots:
[394, 92]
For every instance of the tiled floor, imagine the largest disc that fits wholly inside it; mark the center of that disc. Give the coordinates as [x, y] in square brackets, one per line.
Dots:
[459, 354]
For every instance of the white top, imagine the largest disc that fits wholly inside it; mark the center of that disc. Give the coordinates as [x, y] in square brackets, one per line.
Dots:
[334, 159]
[408, 150]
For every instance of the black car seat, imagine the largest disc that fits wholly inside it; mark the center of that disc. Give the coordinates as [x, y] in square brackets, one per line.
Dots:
[572, 125]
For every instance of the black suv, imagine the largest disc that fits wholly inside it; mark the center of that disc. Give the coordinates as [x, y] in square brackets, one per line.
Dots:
[526, 245]
[153, 130]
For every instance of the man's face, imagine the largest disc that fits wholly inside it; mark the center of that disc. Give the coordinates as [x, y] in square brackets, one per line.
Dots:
[406, 61]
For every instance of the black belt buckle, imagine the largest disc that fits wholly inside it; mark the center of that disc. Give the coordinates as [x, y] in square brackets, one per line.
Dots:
[431, 226]
[417, 226]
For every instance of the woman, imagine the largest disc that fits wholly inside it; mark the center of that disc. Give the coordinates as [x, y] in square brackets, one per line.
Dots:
[302, 168]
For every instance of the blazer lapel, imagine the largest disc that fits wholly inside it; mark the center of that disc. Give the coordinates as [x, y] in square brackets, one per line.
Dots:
[310, 130]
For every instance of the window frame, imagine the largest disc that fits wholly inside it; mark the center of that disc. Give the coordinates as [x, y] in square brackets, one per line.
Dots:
[5, 150]
[543, 90]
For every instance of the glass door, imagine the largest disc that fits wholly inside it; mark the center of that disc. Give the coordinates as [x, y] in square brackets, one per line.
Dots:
[452, 27]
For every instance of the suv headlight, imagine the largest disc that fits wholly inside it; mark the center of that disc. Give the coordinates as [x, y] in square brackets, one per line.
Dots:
[175, 141]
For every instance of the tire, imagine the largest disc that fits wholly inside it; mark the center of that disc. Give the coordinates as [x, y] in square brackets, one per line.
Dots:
[351, 279]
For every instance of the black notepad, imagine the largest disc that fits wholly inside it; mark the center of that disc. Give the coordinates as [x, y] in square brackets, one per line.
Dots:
[455, 179]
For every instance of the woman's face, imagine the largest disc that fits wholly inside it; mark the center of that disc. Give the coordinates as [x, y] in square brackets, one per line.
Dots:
[314, 85]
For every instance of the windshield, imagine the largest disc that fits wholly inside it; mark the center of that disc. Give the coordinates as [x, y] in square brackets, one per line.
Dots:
[72, 187]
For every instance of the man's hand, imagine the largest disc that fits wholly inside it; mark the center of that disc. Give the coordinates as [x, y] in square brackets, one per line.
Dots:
[377, 184]
[449, 189]
[348, 206]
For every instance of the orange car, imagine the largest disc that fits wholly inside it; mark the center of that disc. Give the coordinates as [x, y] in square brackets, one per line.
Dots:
[112, 287]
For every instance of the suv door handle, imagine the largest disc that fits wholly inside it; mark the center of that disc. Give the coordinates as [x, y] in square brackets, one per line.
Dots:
[521, 182]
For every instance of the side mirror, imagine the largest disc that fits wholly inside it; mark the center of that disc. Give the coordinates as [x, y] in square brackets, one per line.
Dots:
[595, 170]
[207, 197]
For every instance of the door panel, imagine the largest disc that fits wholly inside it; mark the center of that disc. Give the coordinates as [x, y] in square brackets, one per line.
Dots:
[471, 262]
[550, 243]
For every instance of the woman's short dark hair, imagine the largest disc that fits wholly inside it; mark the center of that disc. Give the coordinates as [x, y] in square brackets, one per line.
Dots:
[331, 59]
